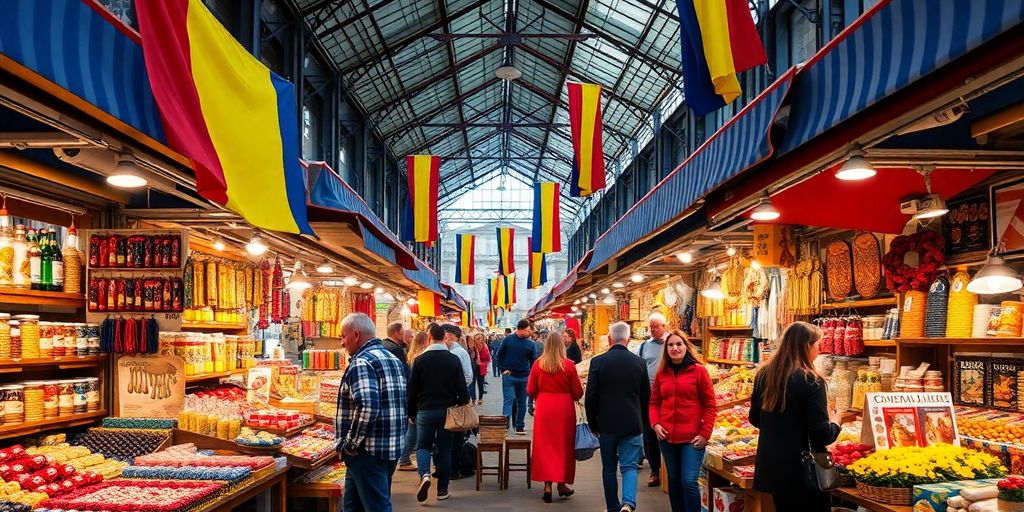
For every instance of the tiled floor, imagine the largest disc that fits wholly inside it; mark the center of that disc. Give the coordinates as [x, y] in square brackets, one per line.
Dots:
[589, 492]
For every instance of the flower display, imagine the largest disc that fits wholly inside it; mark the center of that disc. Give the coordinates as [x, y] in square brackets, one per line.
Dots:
[900, 277]
[1012, 489]
[913, 465]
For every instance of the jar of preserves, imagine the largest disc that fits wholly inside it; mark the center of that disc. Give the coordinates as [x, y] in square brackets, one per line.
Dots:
[14, 403]
[29, 336]
[22, 262]
[92, 393]
[5, 336]
[46, 339]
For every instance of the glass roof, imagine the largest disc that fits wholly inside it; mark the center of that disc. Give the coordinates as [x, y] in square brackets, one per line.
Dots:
[424, 71]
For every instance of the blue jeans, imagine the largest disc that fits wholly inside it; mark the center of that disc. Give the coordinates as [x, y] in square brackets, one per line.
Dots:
[514, 388]
[623, 451]
[410, 445]
[430, 430]
[682, 462]
[494, 366]
[472, 386]
[367, 483]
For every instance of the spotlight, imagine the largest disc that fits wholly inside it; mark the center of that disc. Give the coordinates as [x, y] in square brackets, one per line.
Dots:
[325, 267]
[218, 243]
[685, 257]
[856, 167]
[366, 285]
[637, 277]
[617, 284]
[730, 251]
[764, 209]
[592, 295]
[256, 246]
[609, 299]
[605, 291]
[350, 281]
[714, 290]
[298, 279]
[126, 174]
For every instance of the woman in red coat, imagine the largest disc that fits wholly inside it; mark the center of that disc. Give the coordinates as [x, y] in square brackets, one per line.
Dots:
[682, 411]
[555, 387]
[484, 361]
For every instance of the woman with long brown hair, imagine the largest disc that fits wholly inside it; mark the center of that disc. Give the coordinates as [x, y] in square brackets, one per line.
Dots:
[419, 343]
[789, 406]
[682, 412]
[555, 386]
[483, 361]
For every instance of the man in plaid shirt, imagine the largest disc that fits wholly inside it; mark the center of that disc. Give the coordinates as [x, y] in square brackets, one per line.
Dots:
[371, 422]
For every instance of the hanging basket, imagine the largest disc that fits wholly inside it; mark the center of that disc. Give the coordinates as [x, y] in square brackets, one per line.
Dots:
[890, 495]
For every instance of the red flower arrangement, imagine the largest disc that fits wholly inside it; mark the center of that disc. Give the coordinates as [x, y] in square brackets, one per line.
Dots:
[136, 496]
[1011, 489]
[899, 276]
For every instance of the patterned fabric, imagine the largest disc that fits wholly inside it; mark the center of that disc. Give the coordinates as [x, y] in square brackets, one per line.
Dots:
[371, 404]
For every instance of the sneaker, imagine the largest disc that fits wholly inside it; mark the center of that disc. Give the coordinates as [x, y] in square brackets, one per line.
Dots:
[520, 431]
[443, 496]
[421, 494]
[626, 507]
[407, 466]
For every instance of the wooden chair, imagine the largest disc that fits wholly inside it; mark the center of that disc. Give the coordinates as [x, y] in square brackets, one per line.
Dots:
[517, 444]
[493, 431]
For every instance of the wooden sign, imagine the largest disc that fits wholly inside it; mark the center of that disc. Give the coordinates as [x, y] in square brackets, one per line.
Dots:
[774, 245]
[150, 386]
[909, 419]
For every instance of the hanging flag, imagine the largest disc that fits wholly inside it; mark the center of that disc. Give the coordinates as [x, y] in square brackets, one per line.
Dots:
[223, 109]
[719, 41]
[510, 291]
[429, 303]
[467, 315]
[422, 172]
[537, 273]
[585, 125]
[506, 256]
[547, 235]
[465, 245]
[490, 317]
[501, 296]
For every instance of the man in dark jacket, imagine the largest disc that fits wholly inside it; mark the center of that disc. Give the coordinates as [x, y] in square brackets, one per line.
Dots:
[395, 343]
[515, 359]
[618, 392]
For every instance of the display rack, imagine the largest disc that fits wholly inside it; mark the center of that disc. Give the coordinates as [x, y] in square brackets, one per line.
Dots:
[25, 428]
[18, 296]
[862, 303]
[202, 377]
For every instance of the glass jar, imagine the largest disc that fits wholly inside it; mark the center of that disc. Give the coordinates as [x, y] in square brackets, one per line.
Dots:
[46, 339]
[33, 394]
[81, 399]
[14, 403]
[29, 336]
[51, 398]
[5, 336]
[66, 397]
[6, 249]
[92, 393]
[22, 264]
[15, 339]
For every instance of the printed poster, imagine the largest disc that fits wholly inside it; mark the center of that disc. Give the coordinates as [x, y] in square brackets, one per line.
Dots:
[910, 419]
[259, 385]
[150, 386]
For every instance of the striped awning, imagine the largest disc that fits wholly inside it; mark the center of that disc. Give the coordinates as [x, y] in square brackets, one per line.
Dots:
[454, 297]
[426, 279]
[563, 286]
[889, 47]
[740, 144]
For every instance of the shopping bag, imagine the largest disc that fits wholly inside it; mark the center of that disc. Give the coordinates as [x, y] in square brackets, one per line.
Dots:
[586, 442]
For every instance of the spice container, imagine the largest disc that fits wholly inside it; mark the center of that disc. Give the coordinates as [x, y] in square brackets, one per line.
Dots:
[51, 399]
[33, 393]
[81, 395]
[46, 339]
[843, 387]
[66, 397]
[5, 336]
[29, 336]
[6, 248]
[92, 394]
[14, 403]
[15, 339]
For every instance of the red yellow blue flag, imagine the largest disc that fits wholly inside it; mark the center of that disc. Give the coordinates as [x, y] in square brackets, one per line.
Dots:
[492, 290]
[506, 255]
[223, 109]
[429, 303]
[547, 235]
[585, 126]
[467, 316]
[465, 271]
[537, 273]
[719, 41]
[422, 173]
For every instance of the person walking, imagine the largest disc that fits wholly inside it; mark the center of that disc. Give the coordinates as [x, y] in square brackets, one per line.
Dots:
[495, 345]
[484, 360]
[417, 345]
[452, 336]
[650, 351]
[395, 343]
[371, 420]
[572, 347]
[515, 358]
[436, 382]
[538, 349]
[790, 408]
[616, 401]
[682, 413]
[474, 359]
[555, 387]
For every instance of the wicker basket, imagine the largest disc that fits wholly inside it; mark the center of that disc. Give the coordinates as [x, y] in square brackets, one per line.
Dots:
[846, 480]
[890, 495]
[493, 429]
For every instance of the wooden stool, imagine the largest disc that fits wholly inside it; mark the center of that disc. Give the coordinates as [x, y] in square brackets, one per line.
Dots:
[517, 444]
[493, 431]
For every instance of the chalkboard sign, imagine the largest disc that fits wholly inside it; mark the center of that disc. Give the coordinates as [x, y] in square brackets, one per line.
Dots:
[967, 226]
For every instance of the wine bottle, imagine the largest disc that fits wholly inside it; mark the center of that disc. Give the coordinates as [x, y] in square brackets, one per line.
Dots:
[57, 284]
[35, 260]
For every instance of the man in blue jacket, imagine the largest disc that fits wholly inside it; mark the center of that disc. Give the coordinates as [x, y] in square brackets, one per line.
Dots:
[515, 358]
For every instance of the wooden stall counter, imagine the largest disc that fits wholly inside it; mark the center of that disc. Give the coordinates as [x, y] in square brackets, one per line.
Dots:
[853, 495]
[758, 501]
[270, 492]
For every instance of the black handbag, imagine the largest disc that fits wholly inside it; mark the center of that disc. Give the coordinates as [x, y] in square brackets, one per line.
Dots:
[820, 473]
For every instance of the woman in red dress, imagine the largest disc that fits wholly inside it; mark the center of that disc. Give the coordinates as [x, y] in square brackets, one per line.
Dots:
[555, 387]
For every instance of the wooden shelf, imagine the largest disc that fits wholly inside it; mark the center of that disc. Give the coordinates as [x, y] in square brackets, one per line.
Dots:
[866, 303]
[853, 495]
[879, 343]
[63, 363]
[210, 376]
[730, 361]
[214, 326]
[33, 427]
[962, 341]
[39, 298]
[730, 328]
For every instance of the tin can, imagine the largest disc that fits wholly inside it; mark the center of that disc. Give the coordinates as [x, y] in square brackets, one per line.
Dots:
[14, 403]
[92, 393]
[93, 345]
[57, 341]
[51, 399]
[65, 397]
[82, 342]
[33, 394]
[46, 338]
[81, 400]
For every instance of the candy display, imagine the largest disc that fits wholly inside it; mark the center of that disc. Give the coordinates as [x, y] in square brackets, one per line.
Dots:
[324, 359]
[80, 458]
[187, 455]
[115, 250]
[737, 385]
[308, 447]
[734, 349]
[140, 423]
[208, 352]
[328, 474]
[228, 474]
[142, 495]
[261, 438]
[122, 443]
[216, 413]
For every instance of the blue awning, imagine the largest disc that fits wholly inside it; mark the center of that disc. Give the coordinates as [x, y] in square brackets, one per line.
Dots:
[887, 48]
[743, 142]
[425, 278]
[563, 286]
[454, 297]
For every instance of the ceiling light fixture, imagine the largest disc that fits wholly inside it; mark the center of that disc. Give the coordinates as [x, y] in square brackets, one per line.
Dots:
[592, 295]
[218, 243]
[508, 71]
[764, 209]
[637, 277]
[412, 301]
[685, 257]
[350, 281]
[756, 265]
[994, 278]
[575, 308]
[856, 167]
[714, 290]
[617, 284]
[256, 246]
[366, 285]
[126, 173]
[378, 290]
[609, 299]
[325, 267]
[730, 251]
[298, 279]
[605, 291]
[928, 206]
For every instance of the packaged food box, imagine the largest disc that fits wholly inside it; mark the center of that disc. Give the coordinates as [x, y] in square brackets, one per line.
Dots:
[705, 492]
[935, 495]
[729, 499]
[970, 381]
[1002, 387]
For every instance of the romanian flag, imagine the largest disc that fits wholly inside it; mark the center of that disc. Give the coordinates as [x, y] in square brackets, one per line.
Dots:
[464, 251]
[429, 303]
[492, 290]
[510, 291]
[222, 108]
[547, 237]
[719, 41]
[501, 292]
[490, 317]
[538, 271]
[467, 315]
[506, 256]
[423, 172]
[585, 125]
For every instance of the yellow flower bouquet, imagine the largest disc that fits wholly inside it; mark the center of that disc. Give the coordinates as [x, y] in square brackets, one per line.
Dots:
[909, 466]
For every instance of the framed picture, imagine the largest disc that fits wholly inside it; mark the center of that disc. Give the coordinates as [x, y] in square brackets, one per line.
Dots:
[1008, 217]
[967, 228]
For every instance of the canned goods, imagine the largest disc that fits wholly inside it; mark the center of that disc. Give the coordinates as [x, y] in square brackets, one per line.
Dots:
[33, 393]
[15, 339]
[5, 336]
[51, 399]
[65, 398]
[93, 344]
[46, 330]
[14, 403]
[92, 393]
[81, 399]
[29, 325]
[82, 342]
[57, 341]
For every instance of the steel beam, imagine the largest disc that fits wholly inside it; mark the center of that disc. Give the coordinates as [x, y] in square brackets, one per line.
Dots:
[422, 118]
[447, 133]
[353, 18]
[511, 38]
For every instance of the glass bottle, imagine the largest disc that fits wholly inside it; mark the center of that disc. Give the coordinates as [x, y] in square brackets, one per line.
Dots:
[22, 261]
[35, 259]
[6, 248]
[57, 264]
[46, 260]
